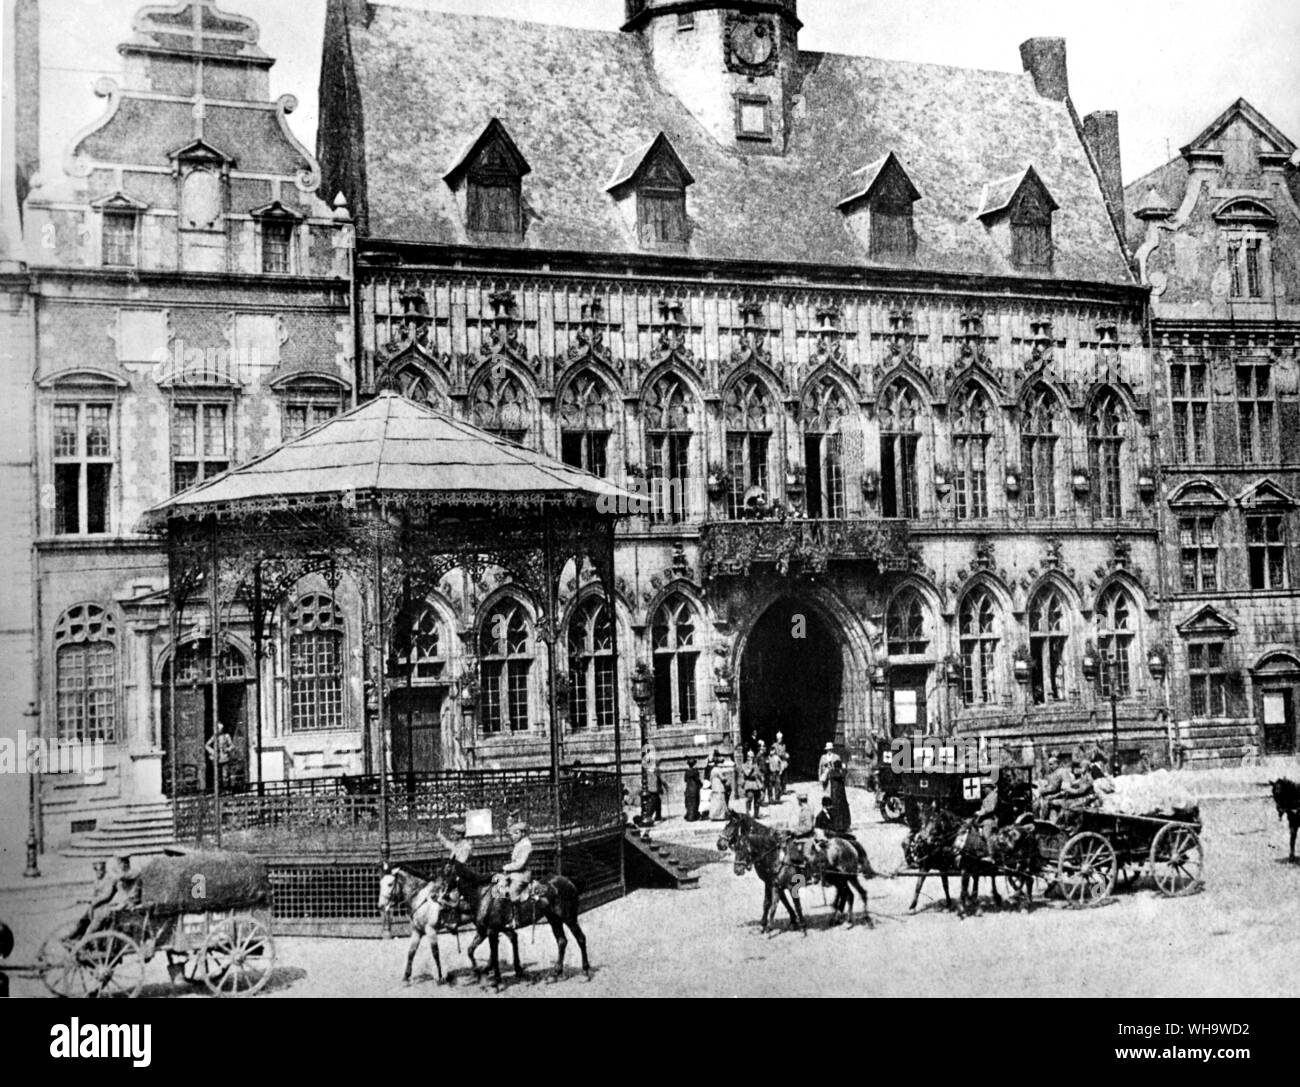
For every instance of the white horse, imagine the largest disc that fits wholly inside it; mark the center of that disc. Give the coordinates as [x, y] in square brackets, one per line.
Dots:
[423, 900]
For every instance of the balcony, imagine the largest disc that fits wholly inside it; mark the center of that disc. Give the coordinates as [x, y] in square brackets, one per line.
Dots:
[731, 548]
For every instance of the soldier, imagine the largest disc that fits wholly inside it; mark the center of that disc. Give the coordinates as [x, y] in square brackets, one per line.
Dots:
[781, 755]
[516, 874]
[100, 894]
[126, 894]
[458, 845]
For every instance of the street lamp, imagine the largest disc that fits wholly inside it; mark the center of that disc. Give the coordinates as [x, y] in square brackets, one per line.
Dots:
[642, 692]
[1091, 672]
[32, 871]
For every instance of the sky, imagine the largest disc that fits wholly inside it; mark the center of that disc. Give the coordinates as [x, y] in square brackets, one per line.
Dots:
[1169, 67]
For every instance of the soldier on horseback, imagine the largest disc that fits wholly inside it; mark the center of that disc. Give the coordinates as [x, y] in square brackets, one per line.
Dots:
[516, 876]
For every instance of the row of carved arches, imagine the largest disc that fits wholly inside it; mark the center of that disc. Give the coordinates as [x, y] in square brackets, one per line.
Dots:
[988, 633]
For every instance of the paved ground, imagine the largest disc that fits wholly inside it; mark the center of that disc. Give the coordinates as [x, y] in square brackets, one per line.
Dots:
[1240, 937]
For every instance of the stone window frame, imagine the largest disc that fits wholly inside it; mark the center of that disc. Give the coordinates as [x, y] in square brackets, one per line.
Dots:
[669, 653]
[591, 656]
[78, 629]
[325, 620]
[505, 668]
[744, 100]
[81, 399]
[1192, 433]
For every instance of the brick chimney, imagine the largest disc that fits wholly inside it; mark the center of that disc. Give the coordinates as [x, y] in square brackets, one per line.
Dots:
[1101, 131]
[1044, 59]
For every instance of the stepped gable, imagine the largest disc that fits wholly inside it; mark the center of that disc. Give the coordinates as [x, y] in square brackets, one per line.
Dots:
[412, 88]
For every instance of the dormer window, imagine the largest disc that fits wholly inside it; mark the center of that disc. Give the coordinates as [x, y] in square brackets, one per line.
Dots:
[1018, 212]
[119, 239]
[878, 208]
[488, 182]
[650, 188]
[276, 230]
[1247, 227]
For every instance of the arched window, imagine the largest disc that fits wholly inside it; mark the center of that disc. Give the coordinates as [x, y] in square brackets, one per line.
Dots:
[1105, 442]
[979, 647]
[972, 426]
[1048, 637]
[85, 664]
[1116, 640]
[586, 419]
[591, 667]
[426, 652]
[824, 406]
[748, 414]
[667, 408]
[676, 654]
[502, 405]
[315, 664]
[506, 658]
[899, 412]
[1040, 426]
[905, 625]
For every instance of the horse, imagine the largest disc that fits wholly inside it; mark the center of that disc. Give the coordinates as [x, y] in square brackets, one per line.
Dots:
[424, 902]
[554, 899]
[929, 847]
[1286, 795]
[763, 849]
[836, 861]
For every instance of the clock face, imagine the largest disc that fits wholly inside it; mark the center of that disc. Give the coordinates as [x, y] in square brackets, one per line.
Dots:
[752, 42]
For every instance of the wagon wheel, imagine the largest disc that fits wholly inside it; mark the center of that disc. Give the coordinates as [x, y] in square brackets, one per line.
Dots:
[104, 964]
[893, 808]
[1086, 870]
[55, 956]
[1177, 860]
[238, 957]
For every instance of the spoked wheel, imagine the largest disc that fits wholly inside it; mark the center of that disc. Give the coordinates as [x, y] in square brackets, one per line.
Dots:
[1086, 870]
[104, 964]
[1177, 860]
[893, 808]
[54, 957]
[238, 957]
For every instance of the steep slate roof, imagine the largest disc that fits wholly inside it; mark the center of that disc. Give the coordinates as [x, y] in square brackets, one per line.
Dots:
[391, 444]
[578, 101]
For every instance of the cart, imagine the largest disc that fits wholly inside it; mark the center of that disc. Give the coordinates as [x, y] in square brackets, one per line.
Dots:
[208, 913]
[1091, 850]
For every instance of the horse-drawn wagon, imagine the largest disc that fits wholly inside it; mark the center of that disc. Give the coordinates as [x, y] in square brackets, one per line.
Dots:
[209, 913]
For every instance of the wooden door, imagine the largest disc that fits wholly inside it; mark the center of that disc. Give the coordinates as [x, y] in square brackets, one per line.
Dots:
[415, 727]
[1276, 705]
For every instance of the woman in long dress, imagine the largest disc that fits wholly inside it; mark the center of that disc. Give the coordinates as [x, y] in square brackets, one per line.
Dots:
[693, 785]
[841, 818]
[717, 792]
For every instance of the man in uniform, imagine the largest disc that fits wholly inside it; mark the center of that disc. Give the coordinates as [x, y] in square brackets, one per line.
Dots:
[781, 755]
[515, 873]
[458, 845]
[126, 893]
[100, 894]
[1062, 787]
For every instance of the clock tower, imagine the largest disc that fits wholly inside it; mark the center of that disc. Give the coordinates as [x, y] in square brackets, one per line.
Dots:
[735, 65]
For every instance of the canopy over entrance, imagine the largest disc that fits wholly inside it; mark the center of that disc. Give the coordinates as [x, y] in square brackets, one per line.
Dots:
[395, 495]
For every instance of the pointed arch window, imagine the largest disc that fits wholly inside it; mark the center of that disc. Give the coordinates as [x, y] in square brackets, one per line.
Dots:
[426, 651]
[85, 682]
[972, 429]
[1116, 639]
[748, 414]
[506, 658]
[586, 419]
[668, 411]
[1105, 447]
[905, 625]
[1048, 638]
[900, 438]
[824, 405]
[1040, 427]
[502, 406]
[315, 664]
[676, 654]
[591, 667]
[978, 635]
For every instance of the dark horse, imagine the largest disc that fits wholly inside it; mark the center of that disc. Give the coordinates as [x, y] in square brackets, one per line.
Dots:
[1286, 795]
[763, 849]
[555, 900]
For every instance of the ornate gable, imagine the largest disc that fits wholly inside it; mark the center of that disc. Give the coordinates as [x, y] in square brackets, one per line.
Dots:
[1265, 495]
[1208, 622]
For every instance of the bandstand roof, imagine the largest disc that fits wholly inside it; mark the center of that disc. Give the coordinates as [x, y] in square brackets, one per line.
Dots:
[393, 448]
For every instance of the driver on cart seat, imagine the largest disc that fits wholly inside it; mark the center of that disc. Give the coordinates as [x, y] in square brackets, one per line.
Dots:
[126, 893]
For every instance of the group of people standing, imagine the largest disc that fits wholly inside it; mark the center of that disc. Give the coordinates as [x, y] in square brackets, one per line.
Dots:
[763, 774]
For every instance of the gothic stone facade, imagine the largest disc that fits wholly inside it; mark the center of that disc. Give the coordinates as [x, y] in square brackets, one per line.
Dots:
[813, 320]
[191, 311]
[1217, 236]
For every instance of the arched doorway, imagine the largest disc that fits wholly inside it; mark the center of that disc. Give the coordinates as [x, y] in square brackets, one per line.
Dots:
[194, 717]
[791, 681]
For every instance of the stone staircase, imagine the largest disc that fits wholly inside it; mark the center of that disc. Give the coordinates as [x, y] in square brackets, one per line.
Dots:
[654, 863]
[145, 829]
